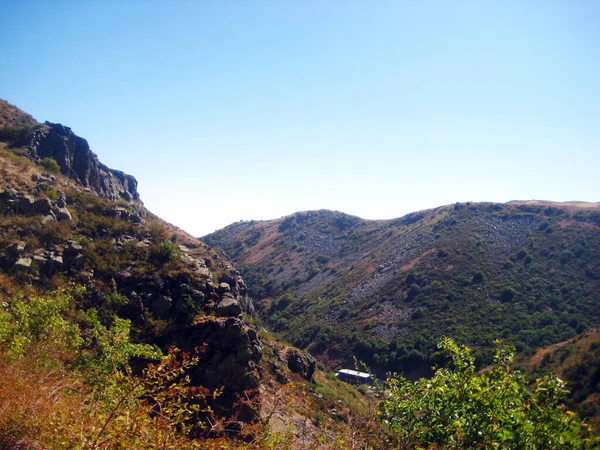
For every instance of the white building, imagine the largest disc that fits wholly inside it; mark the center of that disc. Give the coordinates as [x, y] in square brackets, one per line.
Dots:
[354, 376]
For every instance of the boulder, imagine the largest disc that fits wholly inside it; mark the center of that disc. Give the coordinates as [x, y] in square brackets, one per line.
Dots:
[40, 260]
[22, 264]
[301, 363]
[55, 263]
[9, 194]
[42, 206]
[49, 218]
[16, 249]
[26, 203]
[198, 297]
[231, 360]
[228, 306]
[223, 287]
[76, 262]
[161, 305]
[63, 214]
[74, 248]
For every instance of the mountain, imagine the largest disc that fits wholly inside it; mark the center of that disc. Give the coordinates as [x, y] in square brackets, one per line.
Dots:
[385, 291]
[119, 330]
[95, 288]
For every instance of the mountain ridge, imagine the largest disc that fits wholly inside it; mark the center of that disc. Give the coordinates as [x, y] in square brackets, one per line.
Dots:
[341, 266]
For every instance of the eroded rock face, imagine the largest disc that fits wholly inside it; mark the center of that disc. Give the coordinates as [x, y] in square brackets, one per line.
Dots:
[231, 359]
[77, 161]
[301, 363]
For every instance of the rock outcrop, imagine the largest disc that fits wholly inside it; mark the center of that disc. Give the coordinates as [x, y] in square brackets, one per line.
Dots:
[301, 363]
[77, 161]
[231, 360]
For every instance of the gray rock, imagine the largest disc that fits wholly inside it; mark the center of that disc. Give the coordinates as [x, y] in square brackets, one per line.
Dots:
[63, 214]
[26, 203]
[224, 287]
[228, 306]
[77, 161]
[16, 249]
[161, 305]
[77, 262]
[204, 272]
[40, 260]
[121, 213]
[301, 363]
[144, 243]
[49, 218]
[43, 186]
[10, 193]
[55, 263]
[198, 297]
[22, 264]
[61, 202]
[42, 206]
[74, 248]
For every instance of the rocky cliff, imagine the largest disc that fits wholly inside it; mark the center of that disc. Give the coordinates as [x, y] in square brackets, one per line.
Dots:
[77, 161]
[87, 226]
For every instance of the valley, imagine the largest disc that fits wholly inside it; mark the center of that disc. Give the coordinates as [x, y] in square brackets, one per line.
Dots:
[143, 332]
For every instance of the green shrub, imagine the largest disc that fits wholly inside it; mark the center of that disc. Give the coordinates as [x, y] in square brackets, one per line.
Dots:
[507, 294]
[167, 251]
[50, 165]
[460, 408]
[477, 277]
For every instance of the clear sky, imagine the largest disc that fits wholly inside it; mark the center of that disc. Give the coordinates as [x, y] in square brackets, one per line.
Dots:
[246, 109]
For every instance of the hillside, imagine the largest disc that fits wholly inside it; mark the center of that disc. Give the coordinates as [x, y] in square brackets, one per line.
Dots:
[95, 288]
[385, 291]
[119, 330]
[576, 360]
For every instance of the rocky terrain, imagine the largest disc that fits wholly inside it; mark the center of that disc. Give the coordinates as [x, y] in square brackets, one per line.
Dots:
[67, 218]
[385, 291]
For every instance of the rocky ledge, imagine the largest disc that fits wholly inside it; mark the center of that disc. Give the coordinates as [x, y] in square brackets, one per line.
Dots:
[77, 161]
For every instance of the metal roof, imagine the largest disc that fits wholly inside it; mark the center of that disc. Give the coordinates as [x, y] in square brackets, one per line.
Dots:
[354, 373]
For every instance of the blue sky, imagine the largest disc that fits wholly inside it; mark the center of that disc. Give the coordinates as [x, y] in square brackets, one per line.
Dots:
[246, 109]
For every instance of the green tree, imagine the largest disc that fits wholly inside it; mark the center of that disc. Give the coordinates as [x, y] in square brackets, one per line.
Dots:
[460, 408]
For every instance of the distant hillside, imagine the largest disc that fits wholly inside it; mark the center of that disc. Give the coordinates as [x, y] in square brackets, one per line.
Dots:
[385, 291]
[577, 361]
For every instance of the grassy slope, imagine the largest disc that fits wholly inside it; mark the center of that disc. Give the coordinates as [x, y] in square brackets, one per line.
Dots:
[527, 272]
[577, 361]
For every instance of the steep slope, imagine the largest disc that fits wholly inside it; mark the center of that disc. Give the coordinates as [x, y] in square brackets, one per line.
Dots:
[385, 291]
[577, 361]
[66, 218]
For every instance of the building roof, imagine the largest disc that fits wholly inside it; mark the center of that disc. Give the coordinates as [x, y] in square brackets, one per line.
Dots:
[354, 373]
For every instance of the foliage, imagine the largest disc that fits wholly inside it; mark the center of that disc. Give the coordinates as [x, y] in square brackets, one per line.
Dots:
[460, 408]
[25, 322]
[89, 397]
[167, 251]
[50, 165]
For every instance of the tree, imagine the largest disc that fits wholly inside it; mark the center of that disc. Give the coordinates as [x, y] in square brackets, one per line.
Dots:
[460, 408]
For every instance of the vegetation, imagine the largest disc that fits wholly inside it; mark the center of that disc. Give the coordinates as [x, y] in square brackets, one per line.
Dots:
[459, 408]
[385, 291]
[67, 381]
[50, 165]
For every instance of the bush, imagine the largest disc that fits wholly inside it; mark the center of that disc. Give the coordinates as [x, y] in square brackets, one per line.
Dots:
[167, 251]
[50, 165]
[461, 408]
[508, 294]
[477, 277]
